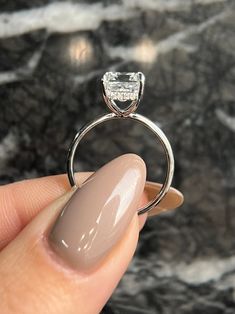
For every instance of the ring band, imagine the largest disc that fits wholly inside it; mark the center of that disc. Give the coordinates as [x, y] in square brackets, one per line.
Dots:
[122, 91]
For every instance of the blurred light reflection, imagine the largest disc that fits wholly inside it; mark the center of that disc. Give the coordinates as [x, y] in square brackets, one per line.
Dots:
[145, 51]
[80, 51]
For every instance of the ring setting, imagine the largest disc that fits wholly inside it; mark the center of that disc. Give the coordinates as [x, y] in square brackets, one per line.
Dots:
[125, 88]
[122, 87]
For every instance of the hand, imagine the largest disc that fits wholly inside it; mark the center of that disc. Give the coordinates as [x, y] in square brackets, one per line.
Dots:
[37, 275]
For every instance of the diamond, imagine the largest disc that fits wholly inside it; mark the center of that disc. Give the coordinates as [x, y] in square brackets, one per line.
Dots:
[122, 86]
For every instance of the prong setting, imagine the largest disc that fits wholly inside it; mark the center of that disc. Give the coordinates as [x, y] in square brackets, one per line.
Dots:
[123, 87]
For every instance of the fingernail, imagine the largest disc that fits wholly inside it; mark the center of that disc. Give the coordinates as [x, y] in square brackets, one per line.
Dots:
[99, 212]
[172, 200]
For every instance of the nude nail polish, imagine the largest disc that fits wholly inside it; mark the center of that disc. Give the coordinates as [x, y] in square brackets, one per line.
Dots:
[172, 200]
[98, 213]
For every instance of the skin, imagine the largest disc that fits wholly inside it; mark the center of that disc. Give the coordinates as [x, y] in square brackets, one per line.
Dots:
[33, 279]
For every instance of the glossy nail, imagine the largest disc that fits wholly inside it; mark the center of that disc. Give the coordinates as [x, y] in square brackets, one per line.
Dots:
[99, 212]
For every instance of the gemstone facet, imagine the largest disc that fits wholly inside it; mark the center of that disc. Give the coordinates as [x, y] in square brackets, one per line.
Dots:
[122, 86]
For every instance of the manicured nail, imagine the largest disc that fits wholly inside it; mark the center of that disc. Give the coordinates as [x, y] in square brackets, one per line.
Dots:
[172, 200]
[99, 212]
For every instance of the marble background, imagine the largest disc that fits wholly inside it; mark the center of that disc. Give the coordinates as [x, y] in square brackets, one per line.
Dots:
[52, 56]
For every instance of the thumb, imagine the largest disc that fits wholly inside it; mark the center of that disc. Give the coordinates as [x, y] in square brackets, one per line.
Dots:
[71, 256]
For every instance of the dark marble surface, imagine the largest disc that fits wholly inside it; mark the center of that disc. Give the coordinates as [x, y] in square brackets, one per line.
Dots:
[52, 56]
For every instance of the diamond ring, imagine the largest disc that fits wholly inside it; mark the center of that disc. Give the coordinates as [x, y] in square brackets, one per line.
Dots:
[122, 87]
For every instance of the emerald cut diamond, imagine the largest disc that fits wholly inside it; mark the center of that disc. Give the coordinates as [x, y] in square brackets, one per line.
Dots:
[122, 86]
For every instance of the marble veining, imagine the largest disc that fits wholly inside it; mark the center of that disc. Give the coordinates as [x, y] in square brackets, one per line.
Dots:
[66, 16]
[166, 45]
[52, 56]
[22, 72]
[60, 17]
[227, 120]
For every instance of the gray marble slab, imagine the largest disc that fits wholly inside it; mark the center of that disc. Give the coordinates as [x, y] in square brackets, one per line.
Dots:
[52, 56]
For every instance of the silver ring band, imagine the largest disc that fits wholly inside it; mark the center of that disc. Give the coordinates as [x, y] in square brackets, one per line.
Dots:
[125, 87]
[147, 123]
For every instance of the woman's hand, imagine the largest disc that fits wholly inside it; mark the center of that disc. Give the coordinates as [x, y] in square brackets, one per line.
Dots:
[66, 255]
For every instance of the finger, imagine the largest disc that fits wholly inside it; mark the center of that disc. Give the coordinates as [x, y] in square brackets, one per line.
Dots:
[70, 257]
[21, 201]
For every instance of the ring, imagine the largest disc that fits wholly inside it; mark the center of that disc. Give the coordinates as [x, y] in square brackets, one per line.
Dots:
[125, 87]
